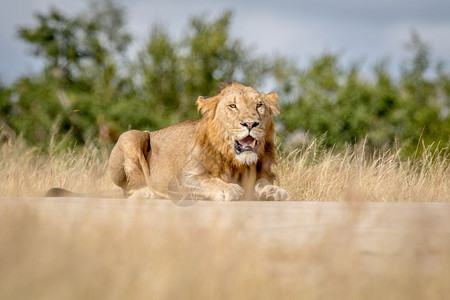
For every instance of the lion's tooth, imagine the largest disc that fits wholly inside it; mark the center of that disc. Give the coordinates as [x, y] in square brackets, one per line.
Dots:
[253, 143]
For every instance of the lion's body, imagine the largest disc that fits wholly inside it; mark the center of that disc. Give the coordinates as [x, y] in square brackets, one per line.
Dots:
[222, 156]
[226, 155]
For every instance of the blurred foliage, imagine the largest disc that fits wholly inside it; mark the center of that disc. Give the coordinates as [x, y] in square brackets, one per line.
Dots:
[91, 88]
[344, 106]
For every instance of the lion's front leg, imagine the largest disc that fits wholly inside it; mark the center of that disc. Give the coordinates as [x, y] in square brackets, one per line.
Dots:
[265, 190]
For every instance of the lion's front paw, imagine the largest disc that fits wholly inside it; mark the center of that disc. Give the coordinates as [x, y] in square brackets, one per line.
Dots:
[144, 193]
[230, 192]
[272, 193]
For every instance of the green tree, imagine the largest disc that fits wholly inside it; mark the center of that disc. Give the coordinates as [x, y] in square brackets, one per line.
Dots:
[160, 72]
[422, 110]
[55, 40]
[72, 45]
[313, 108]
[80, 81]
[346, 107]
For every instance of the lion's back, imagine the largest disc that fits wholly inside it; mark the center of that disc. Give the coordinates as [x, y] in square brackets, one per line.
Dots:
[175, 137]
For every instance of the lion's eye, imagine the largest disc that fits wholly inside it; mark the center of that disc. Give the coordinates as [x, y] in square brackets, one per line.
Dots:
[232, 106]
[258, 105]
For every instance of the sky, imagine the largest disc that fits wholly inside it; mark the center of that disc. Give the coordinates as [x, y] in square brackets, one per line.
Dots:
[360, 30]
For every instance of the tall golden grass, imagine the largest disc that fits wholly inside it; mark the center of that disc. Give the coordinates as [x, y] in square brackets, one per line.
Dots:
[317, 174]
[310, 173]
[29, 172]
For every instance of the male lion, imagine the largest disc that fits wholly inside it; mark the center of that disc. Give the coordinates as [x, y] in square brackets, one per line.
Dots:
[227, 155]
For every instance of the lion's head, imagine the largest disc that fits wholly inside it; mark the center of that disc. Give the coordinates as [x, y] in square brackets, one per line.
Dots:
[238, 122]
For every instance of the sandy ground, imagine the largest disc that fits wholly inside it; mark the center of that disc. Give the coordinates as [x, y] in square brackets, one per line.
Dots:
[404, 247]
[375, 228]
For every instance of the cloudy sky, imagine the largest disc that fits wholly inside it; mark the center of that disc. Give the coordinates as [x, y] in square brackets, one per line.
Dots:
[360, 30]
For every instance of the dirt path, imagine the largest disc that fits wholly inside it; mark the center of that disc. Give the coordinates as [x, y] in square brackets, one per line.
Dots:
[403, 246]
[374, 227]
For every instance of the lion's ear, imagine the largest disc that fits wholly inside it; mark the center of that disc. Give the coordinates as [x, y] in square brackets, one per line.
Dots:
[272, 100]
[207, 105]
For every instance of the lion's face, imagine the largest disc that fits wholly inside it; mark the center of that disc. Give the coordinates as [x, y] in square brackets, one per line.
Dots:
[241, 120]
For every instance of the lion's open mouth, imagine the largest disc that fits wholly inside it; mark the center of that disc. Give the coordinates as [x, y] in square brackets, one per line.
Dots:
[246, 144]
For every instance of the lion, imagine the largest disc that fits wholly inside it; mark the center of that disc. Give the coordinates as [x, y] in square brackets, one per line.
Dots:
[227, 155]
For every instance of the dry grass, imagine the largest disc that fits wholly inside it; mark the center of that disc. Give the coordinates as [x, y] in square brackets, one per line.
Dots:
[28, 172]
[310, 173]
[103, 250]
[314, 173]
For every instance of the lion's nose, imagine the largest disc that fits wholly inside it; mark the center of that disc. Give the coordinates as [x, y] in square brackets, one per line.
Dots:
[250, 125]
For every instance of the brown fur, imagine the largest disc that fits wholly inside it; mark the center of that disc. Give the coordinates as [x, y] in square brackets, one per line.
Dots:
[128, 161]
[218, 159]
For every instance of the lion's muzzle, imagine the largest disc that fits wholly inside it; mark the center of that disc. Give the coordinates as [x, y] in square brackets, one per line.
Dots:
[246, 144]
